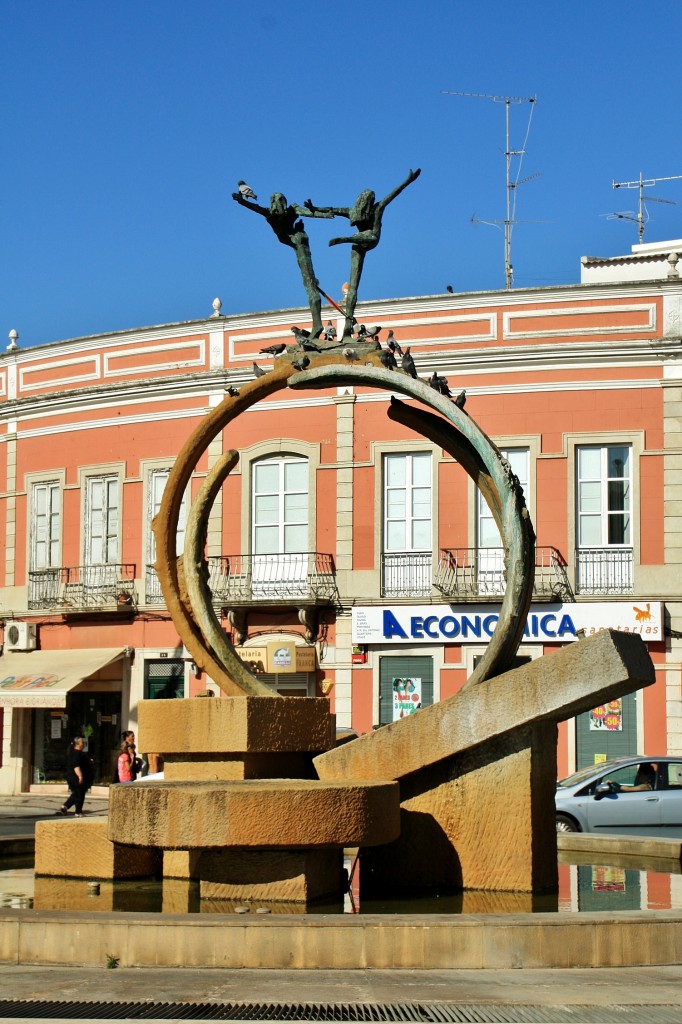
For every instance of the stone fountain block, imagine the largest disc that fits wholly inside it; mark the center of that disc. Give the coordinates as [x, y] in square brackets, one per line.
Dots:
[477, 771]
[270, 814]
[235, 725]
[81, 848]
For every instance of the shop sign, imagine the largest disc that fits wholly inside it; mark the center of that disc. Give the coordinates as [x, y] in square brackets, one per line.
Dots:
[278, 656]
[475, 624]
[30, 682]
[607, 717]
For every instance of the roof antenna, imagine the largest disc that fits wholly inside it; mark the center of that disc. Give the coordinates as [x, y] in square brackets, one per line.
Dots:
[512, 182]
[641, 217]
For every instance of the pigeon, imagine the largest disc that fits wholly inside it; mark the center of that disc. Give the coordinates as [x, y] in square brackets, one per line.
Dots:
[232, 392]
[302, 363]
[439, 384]
[257, 371]
[387, 359]
[460, 400]
[273, 350]
[350, 354]
[245, 192]
[449, 289]
[300, 334]
[373, 332]
[393, 344]
[330, 331]
[362, 332]
[407, 363]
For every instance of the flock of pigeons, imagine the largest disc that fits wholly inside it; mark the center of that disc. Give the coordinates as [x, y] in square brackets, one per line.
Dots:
[393, 357]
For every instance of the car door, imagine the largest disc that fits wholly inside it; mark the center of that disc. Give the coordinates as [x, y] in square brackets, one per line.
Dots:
[625, 812]
[670, 773]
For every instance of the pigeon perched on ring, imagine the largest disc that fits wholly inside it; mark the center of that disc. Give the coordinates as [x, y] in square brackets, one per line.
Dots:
[246, 192]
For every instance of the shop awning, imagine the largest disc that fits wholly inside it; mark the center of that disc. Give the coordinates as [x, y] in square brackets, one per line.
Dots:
[42, 679]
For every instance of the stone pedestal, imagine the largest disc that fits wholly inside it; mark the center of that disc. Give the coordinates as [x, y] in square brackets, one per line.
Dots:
[81, 848]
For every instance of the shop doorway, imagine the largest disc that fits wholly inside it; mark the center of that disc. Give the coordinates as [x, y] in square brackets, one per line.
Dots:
[405, 686]
[164, 679]
[96, 716]
[607, 731]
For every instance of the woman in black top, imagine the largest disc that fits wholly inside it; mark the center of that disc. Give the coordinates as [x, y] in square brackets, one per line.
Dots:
[77, 769]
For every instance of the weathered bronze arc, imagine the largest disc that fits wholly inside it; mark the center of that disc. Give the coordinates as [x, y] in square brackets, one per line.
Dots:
[185, 587]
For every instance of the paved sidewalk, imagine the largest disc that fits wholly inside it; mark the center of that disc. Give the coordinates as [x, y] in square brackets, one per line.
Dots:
[18, 814]
[602, 987]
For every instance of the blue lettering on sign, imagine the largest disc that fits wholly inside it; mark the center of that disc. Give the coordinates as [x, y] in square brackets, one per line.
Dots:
[449, 626]
[566, 626]
[473, 625]
[489, 623]
[392, 627]
[417, 626]
[428, 623]
[545, 622]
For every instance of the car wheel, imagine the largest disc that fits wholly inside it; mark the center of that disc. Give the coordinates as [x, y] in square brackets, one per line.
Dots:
[566, 824]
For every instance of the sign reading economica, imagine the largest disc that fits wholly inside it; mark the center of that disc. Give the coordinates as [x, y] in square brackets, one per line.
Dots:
[475, 624]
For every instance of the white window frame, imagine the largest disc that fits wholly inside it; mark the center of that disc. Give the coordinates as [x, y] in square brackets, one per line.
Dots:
[157, 478]
[604, 512]
[53, 525]
[490, 557]
[281, 462]
[110, 539]
[409, 487]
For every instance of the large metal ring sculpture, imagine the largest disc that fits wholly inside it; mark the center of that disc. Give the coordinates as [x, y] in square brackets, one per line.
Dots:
[184, 580]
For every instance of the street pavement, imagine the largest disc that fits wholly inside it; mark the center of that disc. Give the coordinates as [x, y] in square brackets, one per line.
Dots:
[19, 814]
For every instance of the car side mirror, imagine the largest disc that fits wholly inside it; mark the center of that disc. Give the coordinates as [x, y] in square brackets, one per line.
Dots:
[603, 789]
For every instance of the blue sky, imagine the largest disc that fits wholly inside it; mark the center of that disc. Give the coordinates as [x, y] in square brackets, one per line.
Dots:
[126, 127]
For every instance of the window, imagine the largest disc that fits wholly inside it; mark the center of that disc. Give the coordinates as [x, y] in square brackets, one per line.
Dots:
[603, 513]
[46, 525]
[279, 537]
[101, 520]
[408, 535]
[164, 679]
[158, 478]
[490, 553]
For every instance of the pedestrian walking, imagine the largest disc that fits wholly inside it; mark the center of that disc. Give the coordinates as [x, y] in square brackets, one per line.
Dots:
[77, 777]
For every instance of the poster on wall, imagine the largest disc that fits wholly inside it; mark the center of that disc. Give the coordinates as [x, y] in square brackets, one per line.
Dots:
[607, 717]
[407, 696]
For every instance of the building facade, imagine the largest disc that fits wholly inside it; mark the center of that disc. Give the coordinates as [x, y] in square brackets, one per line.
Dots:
[348, 557]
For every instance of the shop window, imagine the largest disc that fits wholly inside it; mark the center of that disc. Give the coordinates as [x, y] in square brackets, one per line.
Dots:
[164, 679]
[405, 686]
[604, 519]
[407, 529]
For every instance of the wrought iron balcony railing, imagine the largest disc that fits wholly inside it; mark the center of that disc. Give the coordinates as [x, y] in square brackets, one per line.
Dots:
[307, 577]
[478, 573]
[407, 574]
[603, 571]
[83, 587]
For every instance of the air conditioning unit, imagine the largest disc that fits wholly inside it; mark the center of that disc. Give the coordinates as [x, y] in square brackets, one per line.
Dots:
[20, 636]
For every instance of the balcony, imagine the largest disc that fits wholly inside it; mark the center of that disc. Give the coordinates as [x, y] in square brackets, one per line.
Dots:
[477, 574]
[83, 588]
[237, 581]
[603, 571]
[407, 574]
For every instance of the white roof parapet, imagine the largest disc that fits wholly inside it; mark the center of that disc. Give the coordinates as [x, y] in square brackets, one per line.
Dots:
[650, 261]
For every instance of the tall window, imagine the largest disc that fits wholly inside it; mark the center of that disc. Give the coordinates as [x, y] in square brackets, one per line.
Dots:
[490, 553]
[158, 478]
[280, 527]
[280, 506]
[46, 526]
[408, 532]
[101, 520]
[604, 526]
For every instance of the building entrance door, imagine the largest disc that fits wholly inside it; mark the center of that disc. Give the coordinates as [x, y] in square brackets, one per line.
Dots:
[607, 731]
[405, 685]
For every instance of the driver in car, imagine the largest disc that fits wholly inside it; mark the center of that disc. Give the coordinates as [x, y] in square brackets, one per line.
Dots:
[644, 779]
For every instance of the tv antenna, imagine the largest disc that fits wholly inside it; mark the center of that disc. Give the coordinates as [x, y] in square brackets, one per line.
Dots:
[511, 182]
[641, 217]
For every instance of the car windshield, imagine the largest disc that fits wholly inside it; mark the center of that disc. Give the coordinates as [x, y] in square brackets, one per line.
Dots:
[586, 773]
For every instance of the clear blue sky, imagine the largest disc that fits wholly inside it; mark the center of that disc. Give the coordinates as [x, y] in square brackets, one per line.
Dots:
[126, 126]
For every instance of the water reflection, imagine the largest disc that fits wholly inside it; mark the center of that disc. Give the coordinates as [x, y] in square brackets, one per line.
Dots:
[582, 887]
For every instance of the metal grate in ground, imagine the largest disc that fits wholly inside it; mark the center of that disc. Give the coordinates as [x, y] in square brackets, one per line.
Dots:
[411, 1013]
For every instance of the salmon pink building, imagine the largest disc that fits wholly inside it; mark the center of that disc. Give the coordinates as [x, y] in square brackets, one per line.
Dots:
[348, 557]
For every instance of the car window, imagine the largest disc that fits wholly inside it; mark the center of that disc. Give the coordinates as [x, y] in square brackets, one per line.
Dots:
[577, 777]
[623, 776]
[671, 775]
